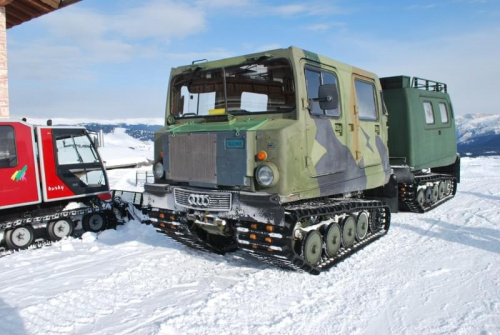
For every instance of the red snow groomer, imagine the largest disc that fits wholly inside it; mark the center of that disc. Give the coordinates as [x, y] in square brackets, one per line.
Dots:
[52, 183]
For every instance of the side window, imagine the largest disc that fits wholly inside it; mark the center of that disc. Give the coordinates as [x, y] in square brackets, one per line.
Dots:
[313, 81]
[8, 154]
[429, 112]
[444, 112]
[367, 103]
[315, 78]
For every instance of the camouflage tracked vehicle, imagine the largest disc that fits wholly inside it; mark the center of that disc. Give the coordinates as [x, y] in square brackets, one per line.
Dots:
[284, 154]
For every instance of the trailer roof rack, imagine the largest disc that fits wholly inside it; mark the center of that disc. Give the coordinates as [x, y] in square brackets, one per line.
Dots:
[429, 85]
[398, 82]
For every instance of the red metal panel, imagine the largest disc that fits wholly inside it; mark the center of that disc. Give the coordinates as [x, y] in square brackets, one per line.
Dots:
[53, 187]
[19, 185]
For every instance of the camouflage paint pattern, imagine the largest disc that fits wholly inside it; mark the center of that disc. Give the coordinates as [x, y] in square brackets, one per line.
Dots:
[315, 156]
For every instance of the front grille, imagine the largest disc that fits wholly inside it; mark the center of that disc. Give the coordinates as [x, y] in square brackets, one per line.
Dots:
[208, 201]
[193, 157]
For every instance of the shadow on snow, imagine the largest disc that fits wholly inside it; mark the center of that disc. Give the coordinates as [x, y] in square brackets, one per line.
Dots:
[477, 237]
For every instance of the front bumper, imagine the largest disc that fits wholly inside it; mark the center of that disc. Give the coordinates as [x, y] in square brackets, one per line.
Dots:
[228, 205]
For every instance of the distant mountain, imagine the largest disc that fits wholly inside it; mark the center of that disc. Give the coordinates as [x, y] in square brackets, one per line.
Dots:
[478, 135]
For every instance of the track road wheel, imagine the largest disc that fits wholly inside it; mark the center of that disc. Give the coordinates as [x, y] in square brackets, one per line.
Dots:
[361, 226]
[348, 232]
[311, 249]
[447, 187]
[428, 195]
[20, 237]
[442, 189]
[94, 222]
[59, 229]
[421, 197]
[332, 240]
[435, 193]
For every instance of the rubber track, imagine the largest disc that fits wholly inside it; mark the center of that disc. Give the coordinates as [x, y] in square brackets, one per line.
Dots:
[287, 258]
[44, 220]
[182, 234]
[408, 201]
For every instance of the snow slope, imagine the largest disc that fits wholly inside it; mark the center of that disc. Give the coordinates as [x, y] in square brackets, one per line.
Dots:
[434, 273]
[120, 149]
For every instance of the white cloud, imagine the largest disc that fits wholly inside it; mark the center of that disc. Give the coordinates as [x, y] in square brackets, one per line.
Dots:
[224, 3]
[324, 26]
[427, 6]
[287, 10]
[156, 19]
[79, 38]
[188, 57]
[266, 47]
[467, 62]
[159, 19]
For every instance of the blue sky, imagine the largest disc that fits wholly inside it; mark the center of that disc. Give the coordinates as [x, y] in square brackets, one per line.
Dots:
[111, 59]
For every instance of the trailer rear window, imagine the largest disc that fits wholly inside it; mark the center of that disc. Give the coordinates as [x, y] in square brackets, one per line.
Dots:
[8, 155]
[429, 112]
[444, 112]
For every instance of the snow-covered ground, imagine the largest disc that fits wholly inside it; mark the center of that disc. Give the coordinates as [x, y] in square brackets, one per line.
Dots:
[434, 273]
[120, 149]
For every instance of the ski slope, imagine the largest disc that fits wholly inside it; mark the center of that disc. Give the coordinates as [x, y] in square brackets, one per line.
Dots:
[434, 273]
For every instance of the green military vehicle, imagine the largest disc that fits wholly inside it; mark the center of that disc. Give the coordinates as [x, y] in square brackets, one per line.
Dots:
[288, 155]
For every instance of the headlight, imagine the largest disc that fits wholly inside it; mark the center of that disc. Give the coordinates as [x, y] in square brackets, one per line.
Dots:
[267, 175]
[158, 170]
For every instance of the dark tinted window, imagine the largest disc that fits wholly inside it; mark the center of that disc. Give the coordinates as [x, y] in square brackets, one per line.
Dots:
[367, 103]
[313, 80]
[8, 155]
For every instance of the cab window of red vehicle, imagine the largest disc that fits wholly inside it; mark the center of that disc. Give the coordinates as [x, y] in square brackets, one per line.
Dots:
[8, 155]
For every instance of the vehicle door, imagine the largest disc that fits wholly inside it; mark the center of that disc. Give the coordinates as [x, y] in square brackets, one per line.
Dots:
[327, 152]
[367, 113]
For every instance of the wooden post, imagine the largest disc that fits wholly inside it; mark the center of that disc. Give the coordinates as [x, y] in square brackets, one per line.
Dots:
[4, 83]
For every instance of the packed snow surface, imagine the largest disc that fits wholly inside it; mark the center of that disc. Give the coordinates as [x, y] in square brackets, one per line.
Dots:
[434, 273]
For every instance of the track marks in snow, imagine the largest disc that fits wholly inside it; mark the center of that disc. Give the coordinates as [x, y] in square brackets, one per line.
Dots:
[433, 273]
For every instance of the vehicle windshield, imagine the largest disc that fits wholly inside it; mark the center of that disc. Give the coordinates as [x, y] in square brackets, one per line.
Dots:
[78, 157]
[264, 87]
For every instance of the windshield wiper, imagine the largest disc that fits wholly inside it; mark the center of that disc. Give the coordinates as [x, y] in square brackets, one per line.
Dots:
[188, 114]
[239, 111]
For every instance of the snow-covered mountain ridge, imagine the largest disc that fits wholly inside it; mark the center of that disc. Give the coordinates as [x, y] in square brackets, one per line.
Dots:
[477, 134]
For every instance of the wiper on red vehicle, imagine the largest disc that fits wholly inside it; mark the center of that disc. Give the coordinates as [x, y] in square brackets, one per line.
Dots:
[239, 111]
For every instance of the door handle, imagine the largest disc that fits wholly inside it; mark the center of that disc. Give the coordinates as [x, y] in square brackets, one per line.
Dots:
[338, 128]
[377, 129]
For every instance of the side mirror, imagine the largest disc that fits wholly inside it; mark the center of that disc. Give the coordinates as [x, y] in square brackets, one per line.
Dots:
[328, 97]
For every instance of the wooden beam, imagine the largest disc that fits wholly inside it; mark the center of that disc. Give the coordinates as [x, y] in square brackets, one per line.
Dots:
[52, 3]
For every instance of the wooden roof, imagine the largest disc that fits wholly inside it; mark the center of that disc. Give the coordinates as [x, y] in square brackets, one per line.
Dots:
[20, 11]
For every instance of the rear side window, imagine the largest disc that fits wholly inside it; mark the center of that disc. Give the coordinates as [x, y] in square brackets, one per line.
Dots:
[8, 154]
[315, 78]
[444, 112]
[429, 112]
[367, 102]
